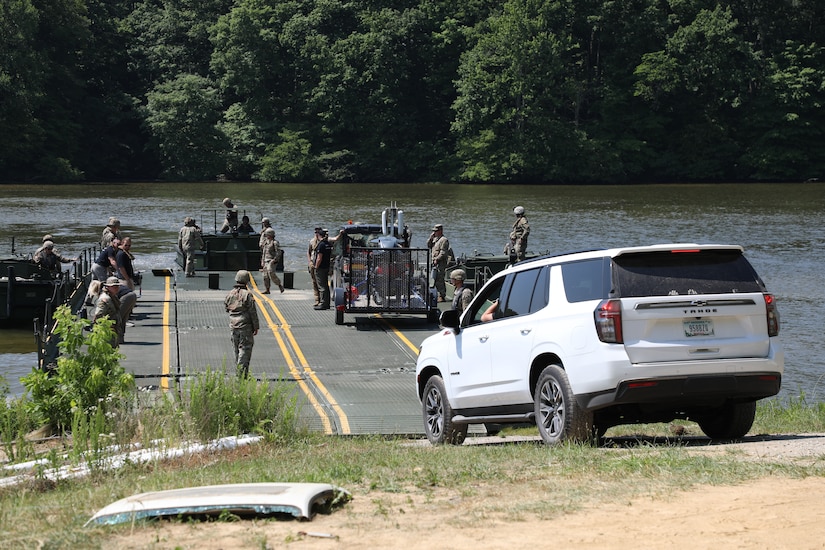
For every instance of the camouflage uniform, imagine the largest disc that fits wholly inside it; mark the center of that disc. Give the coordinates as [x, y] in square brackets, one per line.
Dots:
[439, 250]
[313, 246]
[463, 295]
[111, 231]
[270, 253]
[243, 320]
[519, 233]
[231, 220]
[109, 306]
[190, 240]
[47, 257]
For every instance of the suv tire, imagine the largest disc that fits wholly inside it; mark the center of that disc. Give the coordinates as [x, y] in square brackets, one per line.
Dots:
[732, 421]
[438, 415]
[558, 416]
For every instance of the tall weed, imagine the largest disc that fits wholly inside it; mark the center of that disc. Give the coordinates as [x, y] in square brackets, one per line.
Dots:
[221, 405]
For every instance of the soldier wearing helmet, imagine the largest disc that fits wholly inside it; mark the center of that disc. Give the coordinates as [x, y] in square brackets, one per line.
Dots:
[270, 254]
[243, 321]
[231, 220]
[190, 240]
[518, 235]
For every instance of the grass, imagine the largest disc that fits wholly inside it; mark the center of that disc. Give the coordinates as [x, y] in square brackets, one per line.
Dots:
[51, 514]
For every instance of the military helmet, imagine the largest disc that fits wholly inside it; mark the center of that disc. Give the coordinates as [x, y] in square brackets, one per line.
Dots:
[242, 277]
[265, 221]
[269, 231]
[459, 274]
[48, 244]
[47, 238]
[228, 203]
[112, 281]
[518, 210]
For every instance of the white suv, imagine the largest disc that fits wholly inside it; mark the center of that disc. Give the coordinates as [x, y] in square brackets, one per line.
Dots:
[584, 341]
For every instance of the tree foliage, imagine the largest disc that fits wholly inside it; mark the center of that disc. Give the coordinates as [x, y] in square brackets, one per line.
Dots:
[412, 90]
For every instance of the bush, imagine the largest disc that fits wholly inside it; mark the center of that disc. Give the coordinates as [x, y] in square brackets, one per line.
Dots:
[88, 373]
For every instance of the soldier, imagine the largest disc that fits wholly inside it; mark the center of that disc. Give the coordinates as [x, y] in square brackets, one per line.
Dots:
[108, 305]
[243, 320]
[439, 251]
[462, 295]
[48, 258]
[265, 224]
[190, 240]
[231, 220]
[518, 235]
[110, 232]
[313, 246]
[270, 253]
[323, 258]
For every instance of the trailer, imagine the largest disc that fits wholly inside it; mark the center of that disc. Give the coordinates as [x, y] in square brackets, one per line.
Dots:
[377, 272]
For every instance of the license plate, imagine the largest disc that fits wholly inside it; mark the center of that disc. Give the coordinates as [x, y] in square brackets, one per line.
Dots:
[698, 327]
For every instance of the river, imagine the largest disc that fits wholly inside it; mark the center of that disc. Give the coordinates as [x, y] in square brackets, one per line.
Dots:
[781, 227]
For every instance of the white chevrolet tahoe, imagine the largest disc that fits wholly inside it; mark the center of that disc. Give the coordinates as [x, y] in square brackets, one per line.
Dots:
[584, 341]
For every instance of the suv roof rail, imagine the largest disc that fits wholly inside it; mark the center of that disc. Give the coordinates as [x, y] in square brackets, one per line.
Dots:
[556, 255]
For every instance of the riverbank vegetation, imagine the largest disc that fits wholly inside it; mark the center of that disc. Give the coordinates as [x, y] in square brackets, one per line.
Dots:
[51, 514]
[528, 91]
[49, 511]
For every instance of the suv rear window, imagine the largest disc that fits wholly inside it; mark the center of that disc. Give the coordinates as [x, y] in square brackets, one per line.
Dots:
[676, 273]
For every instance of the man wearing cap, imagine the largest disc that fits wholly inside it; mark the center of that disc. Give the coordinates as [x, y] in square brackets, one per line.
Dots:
[270, 253]
[462, 294]
[48, 258]
[243, 321]
[231, 220]
[519, 233]
[311, 256]
[323, 257]
[189, 240]
[439, 251]
[110, 232]
[108, 306]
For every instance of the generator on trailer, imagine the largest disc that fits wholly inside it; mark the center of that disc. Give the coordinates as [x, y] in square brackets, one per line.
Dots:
[376, 270]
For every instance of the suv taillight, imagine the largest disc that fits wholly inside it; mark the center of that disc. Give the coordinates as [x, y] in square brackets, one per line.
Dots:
[608, 317]
[773, 315]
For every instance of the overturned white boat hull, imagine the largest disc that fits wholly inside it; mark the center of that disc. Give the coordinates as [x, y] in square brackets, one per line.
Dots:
[299, 500]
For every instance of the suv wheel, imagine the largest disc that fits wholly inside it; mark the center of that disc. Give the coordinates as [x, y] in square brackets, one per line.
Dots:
[438, 415]
[732, 421]
[558, 415]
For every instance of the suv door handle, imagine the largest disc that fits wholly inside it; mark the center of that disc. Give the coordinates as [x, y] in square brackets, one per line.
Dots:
[526, 331]
[483, 339]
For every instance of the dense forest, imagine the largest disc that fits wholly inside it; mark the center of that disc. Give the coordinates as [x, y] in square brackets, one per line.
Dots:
[528, 91]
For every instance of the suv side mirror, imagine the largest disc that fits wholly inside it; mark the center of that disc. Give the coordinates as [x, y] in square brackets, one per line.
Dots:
[449, 319]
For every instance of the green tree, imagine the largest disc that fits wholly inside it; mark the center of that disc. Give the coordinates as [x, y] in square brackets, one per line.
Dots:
[702, 80]
[519, 89]
[182, 117]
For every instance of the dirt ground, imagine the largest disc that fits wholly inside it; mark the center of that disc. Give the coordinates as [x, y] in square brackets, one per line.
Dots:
[767, 513]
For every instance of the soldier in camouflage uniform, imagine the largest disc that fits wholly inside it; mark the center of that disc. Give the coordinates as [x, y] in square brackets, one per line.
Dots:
[108, 305]
[311, 255]
[462, 295]
[110, 232]
[519, 233]
[190, 240]
[270, 253]
[439, 252]
[50, 259]
[243, 320]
